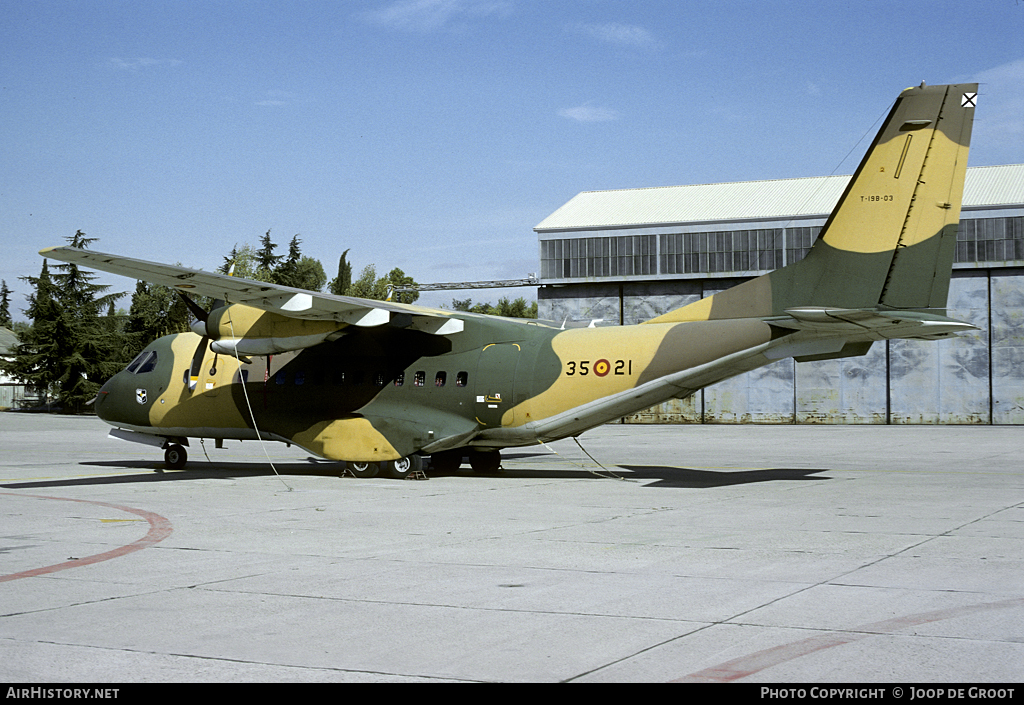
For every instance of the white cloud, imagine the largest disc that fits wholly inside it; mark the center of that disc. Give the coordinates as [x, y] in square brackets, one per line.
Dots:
[140, 63]
[999, 121]
[627, 35]
[589, 113]
[431, 15]
[276, 98]
[1002, 88]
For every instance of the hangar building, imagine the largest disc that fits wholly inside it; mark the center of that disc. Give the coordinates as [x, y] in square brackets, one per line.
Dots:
[624, 256]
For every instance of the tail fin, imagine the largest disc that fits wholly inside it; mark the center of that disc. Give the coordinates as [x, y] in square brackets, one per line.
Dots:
[889, 242]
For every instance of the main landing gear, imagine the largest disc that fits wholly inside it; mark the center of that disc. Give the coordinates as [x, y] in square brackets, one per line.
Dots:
[449, 461]
[175, 456]
[400, 469]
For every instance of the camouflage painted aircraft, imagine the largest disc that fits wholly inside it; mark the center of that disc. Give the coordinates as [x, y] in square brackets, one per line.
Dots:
[382, 385]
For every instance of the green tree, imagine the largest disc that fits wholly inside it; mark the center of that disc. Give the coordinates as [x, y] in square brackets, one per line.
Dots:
[397, 278]
[241, 262]
[341, 283]
[155, 311]
[266, 260]
[70, 349]
[310, 274]
[5, 305]
[299, 271]
[369, 286]
[509, 309]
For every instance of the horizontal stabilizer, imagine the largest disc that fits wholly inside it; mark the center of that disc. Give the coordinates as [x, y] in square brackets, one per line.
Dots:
[871, 324]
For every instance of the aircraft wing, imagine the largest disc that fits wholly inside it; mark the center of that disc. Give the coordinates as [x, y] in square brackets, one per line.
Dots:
[285, 300]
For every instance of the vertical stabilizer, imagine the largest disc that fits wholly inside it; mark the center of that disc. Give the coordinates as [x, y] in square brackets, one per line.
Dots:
[889, 242]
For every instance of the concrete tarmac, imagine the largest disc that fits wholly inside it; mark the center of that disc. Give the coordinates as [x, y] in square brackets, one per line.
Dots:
[725, 553]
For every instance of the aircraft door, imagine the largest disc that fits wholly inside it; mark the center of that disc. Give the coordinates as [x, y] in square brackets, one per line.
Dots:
[202, 376]
[495, 383]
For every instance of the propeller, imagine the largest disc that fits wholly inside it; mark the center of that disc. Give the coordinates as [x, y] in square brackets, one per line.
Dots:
[198, 327]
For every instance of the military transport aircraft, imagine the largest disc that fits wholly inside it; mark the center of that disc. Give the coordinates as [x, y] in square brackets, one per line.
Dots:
[382, 385]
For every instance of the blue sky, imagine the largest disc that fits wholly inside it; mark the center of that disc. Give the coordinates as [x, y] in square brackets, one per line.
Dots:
[433, 135]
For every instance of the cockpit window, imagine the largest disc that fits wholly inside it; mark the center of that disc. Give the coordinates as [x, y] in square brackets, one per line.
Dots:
[144, 362]
[149, 364]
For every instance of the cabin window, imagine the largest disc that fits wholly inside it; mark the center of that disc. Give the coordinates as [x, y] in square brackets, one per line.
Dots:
[462, 379]
[281, 377]
[379, 379]
[440, 379]
[419, 379]
[399, 379]
[300, 378]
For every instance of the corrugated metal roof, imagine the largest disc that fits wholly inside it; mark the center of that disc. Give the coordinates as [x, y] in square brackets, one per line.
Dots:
[751, 200]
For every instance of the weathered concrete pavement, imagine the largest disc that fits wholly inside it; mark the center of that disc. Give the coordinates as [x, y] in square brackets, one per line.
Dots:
[754, 553]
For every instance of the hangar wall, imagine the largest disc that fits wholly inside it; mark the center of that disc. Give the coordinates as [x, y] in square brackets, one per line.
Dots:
[975, 378]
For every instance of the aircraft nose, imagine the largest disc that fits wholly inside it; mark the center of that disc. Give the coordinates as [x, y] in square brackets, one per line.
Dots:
[115, 401]
[127, 397]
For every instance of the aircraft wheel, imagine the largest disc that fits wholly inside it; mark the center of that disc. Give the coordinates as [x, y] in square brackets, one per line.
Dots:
[403, 467]
[485, 462]
[175, 457]
[446, 461]
[363, 469]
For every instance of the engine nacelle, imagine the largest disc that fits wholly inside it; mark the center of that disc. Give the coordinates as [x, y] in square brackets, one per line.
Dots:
[245, 330]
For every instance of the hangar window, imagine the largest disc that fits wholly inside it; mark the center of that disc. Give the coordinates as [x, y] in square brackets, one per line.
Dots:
[990, 239]
[461, 379]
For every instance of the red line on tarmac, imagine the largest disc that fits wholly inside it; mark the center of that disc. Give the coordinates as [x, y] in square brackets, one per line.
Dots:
[159, 529]
[759, 660]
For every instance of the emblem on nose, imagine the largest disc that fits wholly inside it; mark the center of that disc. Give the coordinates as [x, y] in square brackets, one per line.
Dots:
[140, 396]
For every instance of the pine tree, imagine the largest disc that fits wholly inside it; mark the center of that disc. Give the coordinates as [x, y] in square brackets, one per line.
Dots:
[155, 311]
[70, 349]
[5, 305]
[266, 260]
[286, 273]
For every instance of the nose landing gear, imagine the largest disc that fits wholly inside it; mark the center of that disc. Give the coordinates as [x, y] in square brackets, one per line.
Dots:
[175, 456]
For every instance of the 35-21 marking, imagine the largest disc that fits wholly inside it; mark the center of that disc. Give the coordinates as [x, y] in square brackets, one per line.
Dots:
[600, 368]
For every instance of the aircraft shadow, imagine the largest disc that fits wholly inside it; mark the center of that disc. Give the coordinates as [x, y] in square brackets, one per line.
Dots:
[664, 476]
[154, 471]
[649, 475]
